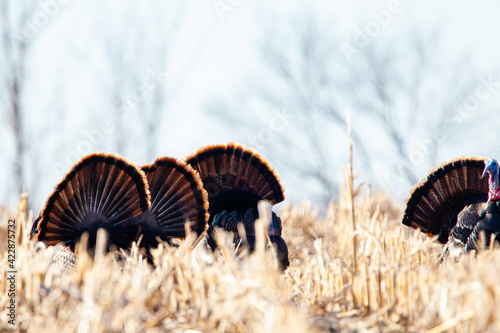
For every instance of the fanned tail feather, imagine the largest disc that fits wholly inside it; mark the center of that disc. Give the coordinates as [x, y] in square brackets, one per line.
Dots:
[100, 191]
[233, 167]
[177, 197]
[433, 204]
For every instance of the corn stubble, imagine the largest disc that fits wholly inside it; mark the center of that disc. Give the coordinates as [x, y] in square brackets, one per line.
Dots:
[394, 285]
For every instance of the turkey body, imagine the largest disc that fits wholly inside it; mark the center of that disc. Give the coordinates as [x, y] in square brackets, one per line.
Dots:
[478, 219]
[237, 179]
[458, 204]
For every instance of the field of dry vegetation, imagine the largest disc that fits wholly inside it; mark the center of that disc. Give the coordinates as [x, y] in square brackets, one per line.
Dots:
[388, 282]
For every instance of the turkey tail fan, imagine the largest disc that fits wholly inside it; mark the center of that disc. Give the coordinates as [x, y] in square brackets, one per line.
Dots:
[234, 167]
[177, 197]
[434, 203]
[100, 191]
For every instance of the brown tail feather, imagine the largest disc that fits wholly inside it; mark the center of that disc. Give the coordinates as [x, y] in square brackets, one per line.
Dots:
[433, 202]
[177, 196]
[232, 166]
[101, 190]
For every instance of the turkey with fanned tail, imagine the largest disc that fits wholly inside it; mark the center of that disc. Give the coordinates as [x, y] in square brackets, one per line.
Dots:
[457, 203]
[101, 191]
[177, 198]
[236, 179]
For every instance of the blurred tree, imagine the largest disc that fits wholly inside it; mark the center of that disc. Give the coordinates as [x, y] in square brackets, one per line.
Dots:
[405, 100]
[124, 59]
[20, 23]
[139, 76]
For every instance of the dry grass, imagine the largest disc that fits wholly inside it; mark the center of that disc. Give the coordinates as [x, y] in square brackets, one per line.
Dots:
[397, 285]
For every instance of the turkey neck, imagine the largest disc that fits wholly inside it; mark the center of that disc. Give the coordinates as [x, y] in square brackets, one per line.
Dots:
[494, 190]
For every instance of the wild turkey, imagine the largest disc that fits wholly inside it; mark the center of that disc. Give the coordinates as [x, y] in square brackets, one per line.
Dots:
[236, 179]
[177, 197]
[458, 203]
[100, 191]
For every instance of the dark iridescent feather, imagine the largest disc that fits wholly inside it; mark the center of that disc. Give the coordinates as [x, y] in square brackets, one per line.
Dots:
[230, 221]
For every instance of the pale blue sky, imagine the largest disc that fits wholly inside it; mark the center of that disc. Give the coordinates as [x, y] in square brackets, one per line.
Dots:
[66, 57]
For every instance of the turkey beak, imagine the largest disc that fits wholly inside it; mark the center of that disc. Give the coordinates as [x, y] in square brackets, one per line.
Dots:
[484, 172]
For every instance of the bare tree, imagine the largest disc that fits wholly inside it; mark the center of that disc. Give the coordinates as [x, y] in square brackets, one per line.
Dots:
[30, 124]
[401, 95]
[411, 94]
[138, 77]
[18, 31]
[13, 58]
